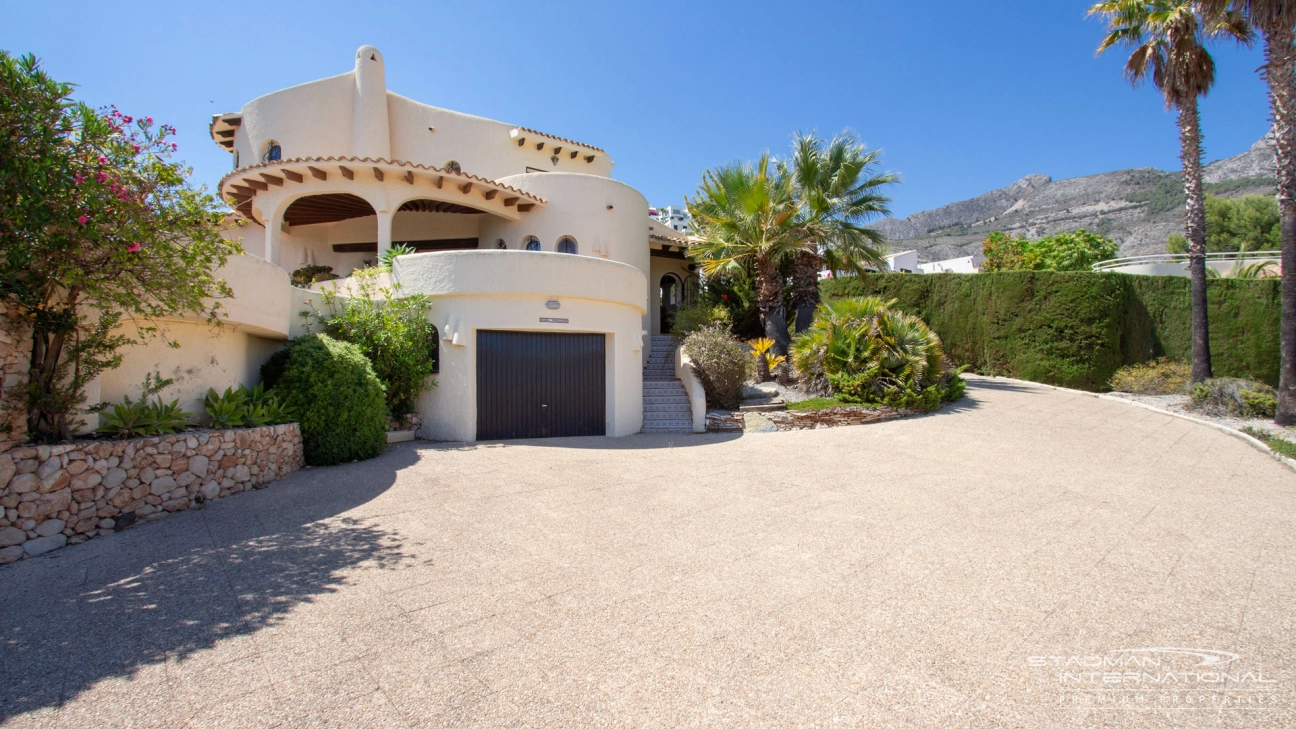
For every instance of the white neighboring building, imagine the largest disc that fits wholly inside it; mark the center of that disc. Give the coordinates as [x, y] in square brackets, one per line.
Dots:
[677, 217]
[966, 264]
[546, 277]
[903, 262]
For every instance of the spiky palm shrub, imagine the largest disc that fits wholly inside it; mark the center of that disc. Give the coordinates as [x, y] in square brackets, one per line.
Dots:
[863, 351]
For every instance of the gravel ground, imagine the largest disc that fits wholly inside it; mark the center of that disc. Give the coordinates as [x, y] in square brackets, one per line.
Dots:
[767, 389]
[1181, 404]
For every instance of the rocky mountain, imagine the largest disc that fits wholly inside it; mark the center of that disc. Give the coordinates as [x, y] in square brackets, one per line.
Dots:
[1139, 208]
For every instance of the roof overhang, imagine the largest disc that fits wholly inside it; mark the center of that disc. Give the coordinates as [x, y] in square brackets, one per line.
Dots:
[557, 145]
[223, 127]
[333, 174]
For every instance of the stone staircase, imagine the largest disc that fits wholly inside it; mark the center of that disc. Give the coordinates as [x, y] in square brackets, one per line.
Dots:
[666, 404]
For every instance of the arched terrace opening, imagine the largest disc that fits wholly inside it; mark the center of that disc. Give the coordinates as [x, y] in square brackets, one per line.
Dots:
[328, 235]
[671, 294]
[436, 225]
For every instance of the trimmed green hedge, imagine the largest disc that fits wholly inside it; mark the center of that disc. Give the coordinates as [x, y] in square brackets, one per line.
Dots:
[1076, 329]
[340, 402]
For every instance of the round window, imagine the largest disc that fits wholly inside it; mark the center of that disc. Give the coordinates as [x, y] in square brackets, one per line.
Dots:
[453, 166]
[273, 152]
[566, 244]
[532, 243]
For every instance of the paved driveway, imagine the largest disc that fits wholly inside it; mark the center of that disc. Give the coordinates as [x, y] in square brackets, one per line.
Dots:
[1007, 562]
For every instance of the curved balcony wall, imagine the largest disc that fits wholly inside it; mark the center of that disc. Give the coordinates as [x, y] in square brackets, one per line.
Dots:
[526, 291]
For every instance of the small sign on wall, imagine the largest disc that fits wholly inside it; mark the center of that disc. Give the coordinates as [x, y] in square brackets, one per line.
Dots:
[551, 320]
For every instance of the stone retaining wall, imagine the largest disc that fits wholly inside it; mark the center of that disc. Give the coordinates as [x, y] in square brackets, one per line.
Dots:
[724, 421]
[66, 494]
[833, 417]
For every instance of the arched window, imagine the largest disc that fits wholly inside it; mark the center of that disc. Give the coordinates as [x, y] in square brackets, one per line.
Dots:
[566, 244]
[500, 244]
[452, 166]
[273, 152]
[532, 243]
[236, 159]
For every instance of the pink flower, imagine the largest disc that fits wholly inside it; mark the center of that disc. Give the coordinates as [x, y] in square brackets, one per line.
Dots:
[133, 247]
[135, 147]
[174, 146]
[83, 220]
[102, 177]
[127, 119]
[148, 119]
[80, 179]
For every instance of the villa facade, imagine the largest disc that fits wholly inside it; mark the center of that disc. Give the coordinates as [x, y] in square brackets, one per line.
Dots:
[548, 279]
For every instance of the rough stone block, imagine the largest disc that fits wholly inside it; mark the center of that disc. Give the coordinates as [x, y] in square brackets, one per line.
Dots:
[24, 482]
[41, 545]
[161, 486]
[55, 481]
[210, 490]
[53, 503]
[198, 466]
[114, 477]
[7, 468]
[10, 536]
[50, 527]
[10, 554]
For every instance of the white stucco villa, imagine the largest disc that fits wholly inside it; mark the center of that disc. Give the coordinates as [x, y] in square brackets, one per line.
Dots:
[548, 279]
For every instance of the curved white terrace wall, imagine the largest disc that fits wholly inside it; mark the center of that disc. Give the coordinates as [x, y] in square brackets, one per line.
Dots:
[510, 291]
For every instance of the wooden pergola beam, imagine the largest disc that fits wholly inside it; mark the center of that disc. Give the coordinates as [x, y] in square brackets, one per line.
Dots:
[466, 188]
[409, 176]
[378, 174]
[243, 190]
[317, 173]
[346, 172]
[439, 181]
[525, 207]
[255, 184]
[490, 194]
[510, 202]
[271, 179]
[295, 177]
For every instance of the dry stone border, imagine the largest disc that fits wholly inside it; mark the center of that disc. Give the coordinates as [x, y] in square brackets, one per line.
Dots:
[723, 421]
[65, 494]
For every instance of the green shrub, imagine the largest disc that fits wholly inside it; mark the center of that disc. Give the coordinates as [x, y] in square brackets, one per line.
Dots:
[390, 255]
[306, 276]
[1234, 397]
[393, 331]
[338, 399]
[140, 418]
[1077, 329]
[1157, 377]
[872, 354]
[243, 408]
[722, 364]
[689, 319]
[821, 403]
[1281, 446]
[1075, 251]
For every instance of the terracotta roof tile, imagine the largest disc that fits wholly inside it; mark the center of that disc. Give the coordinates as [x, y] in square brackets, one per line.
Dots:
[243, 171]
[528, 130]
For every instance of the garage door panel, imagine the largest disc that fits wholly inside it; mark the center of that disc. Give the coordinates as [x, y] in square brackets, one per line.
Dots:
[540, 385]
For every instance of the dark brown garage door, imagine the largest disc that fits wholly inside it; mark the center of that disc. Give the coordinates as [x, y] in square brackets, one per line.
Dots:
[537, 385]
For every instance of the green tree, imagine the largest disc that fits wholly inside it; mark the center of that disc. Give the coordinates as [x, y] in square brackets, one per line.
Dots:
[1250, 223]
[1074, 251]
[97, 226]
[1167, 38]
[1276, 21]
[839, 188]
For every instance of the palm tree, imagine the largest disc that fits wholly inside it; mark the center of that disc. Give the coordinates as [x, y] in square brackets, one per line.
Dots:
[1167, 40]
[1276, 21]
[838, 189]
[746, 223]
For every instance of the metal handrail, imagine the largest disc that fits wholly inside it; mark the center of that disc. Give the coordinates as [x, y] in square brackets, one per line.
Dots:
[1183, 258]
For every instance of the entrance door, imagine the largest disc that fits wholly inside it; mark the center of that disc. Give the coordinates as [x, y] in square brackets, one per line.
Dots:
[540, 385]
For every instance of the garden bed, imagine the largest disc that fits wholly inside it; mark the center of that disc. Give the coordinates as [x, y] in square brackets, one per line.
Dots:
[724, 421]
[66, 494]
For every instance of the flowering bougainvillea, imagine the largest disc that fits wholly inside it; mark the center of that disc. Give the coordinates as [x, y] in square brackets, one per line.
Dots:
[98, 226]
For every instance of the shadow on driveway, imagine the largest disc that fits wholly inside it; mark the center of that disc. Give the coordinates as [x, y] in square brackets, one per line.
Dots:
[120, 605]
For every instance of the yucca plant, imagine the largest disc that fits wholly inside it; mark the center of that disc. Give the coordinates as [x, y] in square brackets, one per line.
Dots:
[227, 410]
[760, 349]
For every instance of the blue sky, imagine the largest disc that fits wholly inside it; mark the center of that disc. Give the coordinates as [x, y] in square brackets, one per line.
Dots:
[962, 96]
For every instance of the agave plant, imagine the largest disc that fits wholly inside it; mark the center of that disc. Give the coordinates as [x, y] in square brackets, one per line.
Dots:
[391, 254]
[1247, 271]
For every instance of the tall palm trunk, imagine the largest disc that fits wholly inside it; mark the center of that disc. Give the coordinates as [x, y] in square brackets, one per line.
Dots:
[805, 287]
[1280, 73]
[1190, 142]
[769, 301]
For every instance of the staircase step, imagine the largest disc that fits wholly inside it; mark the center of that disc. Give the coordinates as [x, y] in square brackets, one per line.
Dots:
[682, 417]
